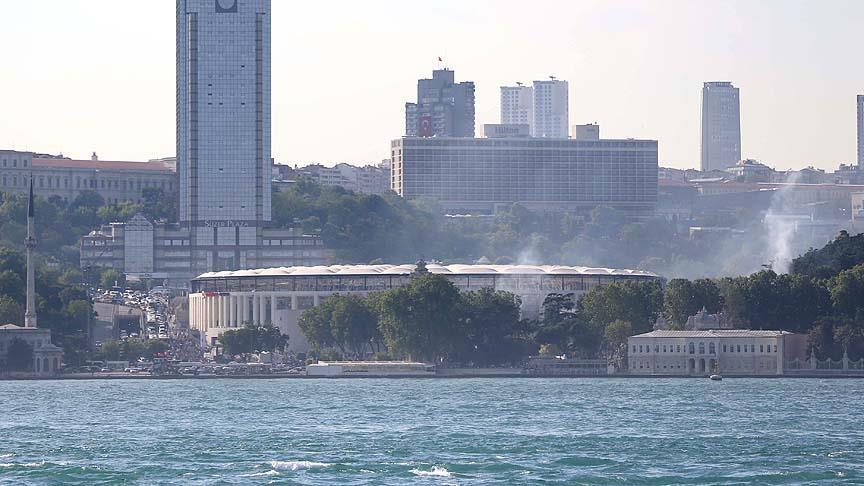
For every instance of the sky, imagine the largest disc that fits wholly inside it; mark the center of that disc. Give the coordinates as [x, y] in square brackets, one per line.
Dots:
[98, 75]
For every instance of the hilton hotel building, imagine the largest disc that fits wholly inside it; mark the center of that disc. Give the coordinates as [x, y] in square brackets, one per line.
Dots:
[484, 175]
[223, 147]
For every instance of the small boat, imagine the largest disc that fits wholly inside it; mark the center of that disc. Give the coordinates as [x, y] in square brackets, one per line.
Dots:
[715, 373]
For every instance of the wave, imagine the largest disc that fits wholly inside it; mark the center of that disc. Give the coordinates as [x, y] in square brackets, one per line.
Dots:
[22, 464]
[296, 465]
[4, 456]
[271, 472]
[436, 471]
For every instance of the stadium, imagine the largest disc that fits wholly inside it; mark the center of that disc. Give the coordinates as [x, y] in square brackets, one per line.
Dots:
[226, 300]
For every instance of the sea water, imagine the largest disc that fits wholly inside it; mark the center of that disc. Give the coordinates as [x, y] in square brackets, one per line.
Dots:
[432, 431]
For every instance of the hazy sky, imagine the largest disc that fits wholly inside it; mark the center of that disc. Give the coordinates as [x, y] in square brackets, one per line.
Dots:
[85, 75]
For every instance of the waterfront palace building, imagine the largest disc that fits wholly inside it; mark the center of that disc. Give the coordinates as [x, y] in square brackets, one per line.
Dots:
[709, 344]
[470, 175]
[221, 301]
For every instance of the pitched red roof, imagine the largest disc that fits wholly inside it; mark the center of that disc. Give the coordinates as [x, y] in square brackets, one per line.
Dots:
[101, 165]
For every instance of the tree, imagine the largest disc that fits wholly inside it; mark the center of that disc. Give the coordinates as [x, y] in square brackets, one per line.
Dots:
[10, 311]
[492, 330]
[841, 254]
[110, 350]
[353, 325]
[12, 285]
[109, 278]
[156, 347]
[683, 298]
[238, 341]
[133, 348]
[252, 338]
[419, 319]
[315, 322]
[636, 302]
[847, 291]
[615, 336]
[19, 355]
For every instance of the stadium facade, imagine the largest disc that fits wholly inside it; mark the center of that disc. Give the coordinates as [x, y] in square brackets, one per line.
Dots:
[226, 300]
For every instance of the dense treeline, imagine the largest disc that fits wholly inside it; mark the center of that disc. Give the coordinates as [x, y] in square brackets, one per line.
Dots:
[60, 224]
[365, 228]
[430, 319]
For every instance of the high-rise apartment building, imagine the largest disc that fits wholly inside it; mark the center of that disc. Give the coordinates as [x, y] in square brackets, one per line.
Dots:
[444, 108]
[721, 126]
[859, 102]
[517, 105]
[551, 115]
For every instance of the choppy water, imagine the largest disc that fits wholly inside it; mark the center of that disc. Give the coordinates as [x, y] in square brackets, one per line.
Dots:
[477, 431]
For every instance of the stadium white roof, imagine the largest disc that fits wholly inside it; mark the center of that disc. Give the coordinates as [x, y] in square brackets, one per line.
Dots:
[345, 270]
[711, 333]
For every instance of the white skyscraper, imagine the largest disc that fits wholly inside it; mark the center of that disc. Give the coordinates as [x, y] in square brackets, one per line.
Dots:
[223, 121]
[721, 126]
[517, 105]
[551, 118]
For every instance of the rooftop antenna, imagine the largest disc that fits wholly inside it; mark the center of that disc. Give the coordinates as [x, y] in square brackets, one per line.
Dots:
[519, 83]
[552, 77]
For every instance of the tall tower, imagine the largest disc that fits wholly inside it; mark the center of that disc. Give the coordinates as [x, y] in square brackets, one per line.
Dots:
[223, 127]
[444, 108]
[721, 126]
[30, 245]
[517, 105]
[551, 112]
[859, 101]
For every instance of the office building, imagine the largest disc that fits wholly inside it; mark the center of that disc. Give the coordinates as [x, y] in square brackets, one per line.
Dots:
[721, 126]
[144, 250]
[223, 158]
[444, 108]
[551, 118]
[488, 174]
[223, 127]
[222, 301]
[66, 178]
[517, 105]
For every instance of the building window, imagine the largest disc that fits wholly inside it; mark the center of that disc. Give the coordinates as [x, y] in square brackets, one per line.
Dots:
[664, 348]
[775, 348]
[701, 348]
[692, 348]
[711, 348]
[761, 350]
[679, 348]
[724, 348]
[656, 348]
[739, 348]
[634, 348]
[640, 348]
